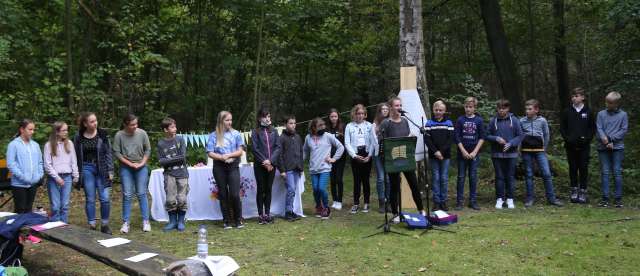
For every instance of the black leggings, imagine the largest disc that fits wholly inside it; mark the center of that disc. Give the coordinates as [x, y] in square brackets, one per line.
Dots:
[227, 177]
[361, 174]
[264, 181]
[23, 199]
[394, 178]
[337, 185]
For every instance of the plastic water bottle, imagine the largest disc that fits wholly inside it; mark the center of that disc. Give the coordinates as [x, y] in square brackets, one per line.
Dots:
[203, 247]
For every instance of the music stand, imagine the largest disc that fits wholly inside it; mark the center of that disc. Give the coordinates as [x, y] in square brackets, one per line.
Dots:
[399, 157]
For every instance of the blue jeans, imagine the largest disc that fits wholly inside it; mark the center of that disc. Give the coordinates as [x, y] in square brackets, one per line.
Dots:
[470, 166]
[59, 197]
[134, 181]
[439, 179]
[543, 163]
[94, 186]
[505, 176]
[292, 182]
[611, 162]
[381, 188]
[319, 183]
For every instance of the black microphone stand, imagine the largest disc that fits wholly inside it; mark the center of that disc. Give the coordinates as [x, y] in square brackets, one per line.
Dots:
[386, 226]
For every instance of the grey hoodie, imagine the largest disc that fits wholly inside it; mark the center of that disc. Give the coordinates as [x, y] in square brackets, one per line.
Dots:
[614, 126]
[318, 148]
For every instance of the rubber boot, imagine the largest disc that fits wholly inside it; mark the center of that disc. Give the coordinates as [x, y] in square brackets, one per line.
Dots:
[172, 222]
[181, 221]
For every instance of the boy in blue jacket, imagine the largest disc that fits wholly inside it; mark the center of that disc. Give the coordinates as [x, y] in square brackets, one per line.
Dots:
[439, 137]
[505, 134]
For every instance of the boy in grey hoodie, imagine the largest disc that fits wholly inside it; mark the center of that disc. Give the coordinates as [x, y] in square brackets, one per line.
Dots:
[317, 147]
[612, 125]
[533, 146]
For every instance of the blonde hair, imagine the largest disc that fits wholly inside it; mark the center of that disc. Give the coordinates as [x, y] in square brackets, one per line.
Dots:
[471, 100]
[220, 127]
[533, 102]
[355, 110]
[53, 138]
[439, 103]
[613, 96]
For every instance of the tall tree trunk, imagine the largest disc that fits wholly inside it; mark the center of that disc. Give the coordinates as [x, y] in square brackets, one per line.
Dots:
[502, 57]
[67, 31]
[411, 43]
[256, 87]
[532, 51]
[562, 70]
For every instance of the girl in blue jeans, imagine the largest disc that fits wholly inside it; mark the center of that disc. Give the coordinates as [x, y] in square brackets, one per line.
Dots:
[131, 146]
[95, 164]
[382, 112]
[317, 147]
[62, 168]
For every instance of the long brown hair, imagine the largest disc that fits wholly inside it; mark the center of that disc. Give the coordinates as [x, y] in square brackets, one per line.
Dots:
[53, 138]
[84, 117]
[220, 127]
[379, 116]
[339, 126]
[313, 126]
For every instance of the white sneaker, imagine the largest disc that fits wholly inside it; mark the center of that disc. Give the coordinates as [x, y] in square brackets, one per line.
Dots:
[396, 220]
[333, 206]
[125, 228]
[338, 206]
[146, 226]
[423, 213]
[499, 203]
[510, 203]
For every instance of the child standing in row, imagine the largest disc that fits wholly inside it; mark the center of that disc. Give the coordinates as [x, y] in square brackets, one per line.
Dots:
[317, 147]
[577, 126]
[534, 145]
[439, 137]
[612, 125]
[469, 136]
[62, 168]
[290, 163]
[359, 143]
[505, 134]
[264, 140]
[172, 153]
[24, 160]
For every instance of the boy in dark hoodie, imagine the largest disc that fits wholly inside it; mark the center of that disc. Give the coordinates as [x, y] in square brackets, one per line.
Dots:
[577, 126]
[290, 163]
[439, 137]
[505, 134]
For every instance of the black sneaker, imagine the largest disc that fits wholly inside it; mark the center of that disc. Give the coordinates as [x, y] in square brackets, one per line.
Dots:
[105, 229]
[436, 206]
[474, 205]
[582, 196]
[444, 207]
[556, 202]
[459, 206]
[93, 227]
[604, 204]
[240, 224]
[574, 195]
[226, 226]
[618, 203]
[528, 203]
[270, 219]
[354, 209]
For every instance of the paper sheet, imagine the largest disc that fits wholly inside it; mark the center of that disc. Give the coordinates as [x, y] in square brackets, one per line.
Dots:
[441, 214]
[141, 257]
[6, 214]
[113, 242]
[48, 225]
[219, 265]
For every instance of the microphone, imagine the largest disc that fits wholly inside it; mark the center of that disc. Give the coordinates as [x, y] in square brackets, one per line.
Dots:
[402, 112]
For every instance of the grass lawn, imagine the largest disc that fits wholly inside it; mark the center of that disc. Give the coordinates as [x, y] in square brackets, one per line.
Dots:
[574, 240]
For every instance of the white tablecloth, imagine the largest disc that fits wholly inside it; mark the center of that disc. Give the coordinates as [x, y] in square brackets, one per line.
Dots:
[203, 204]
